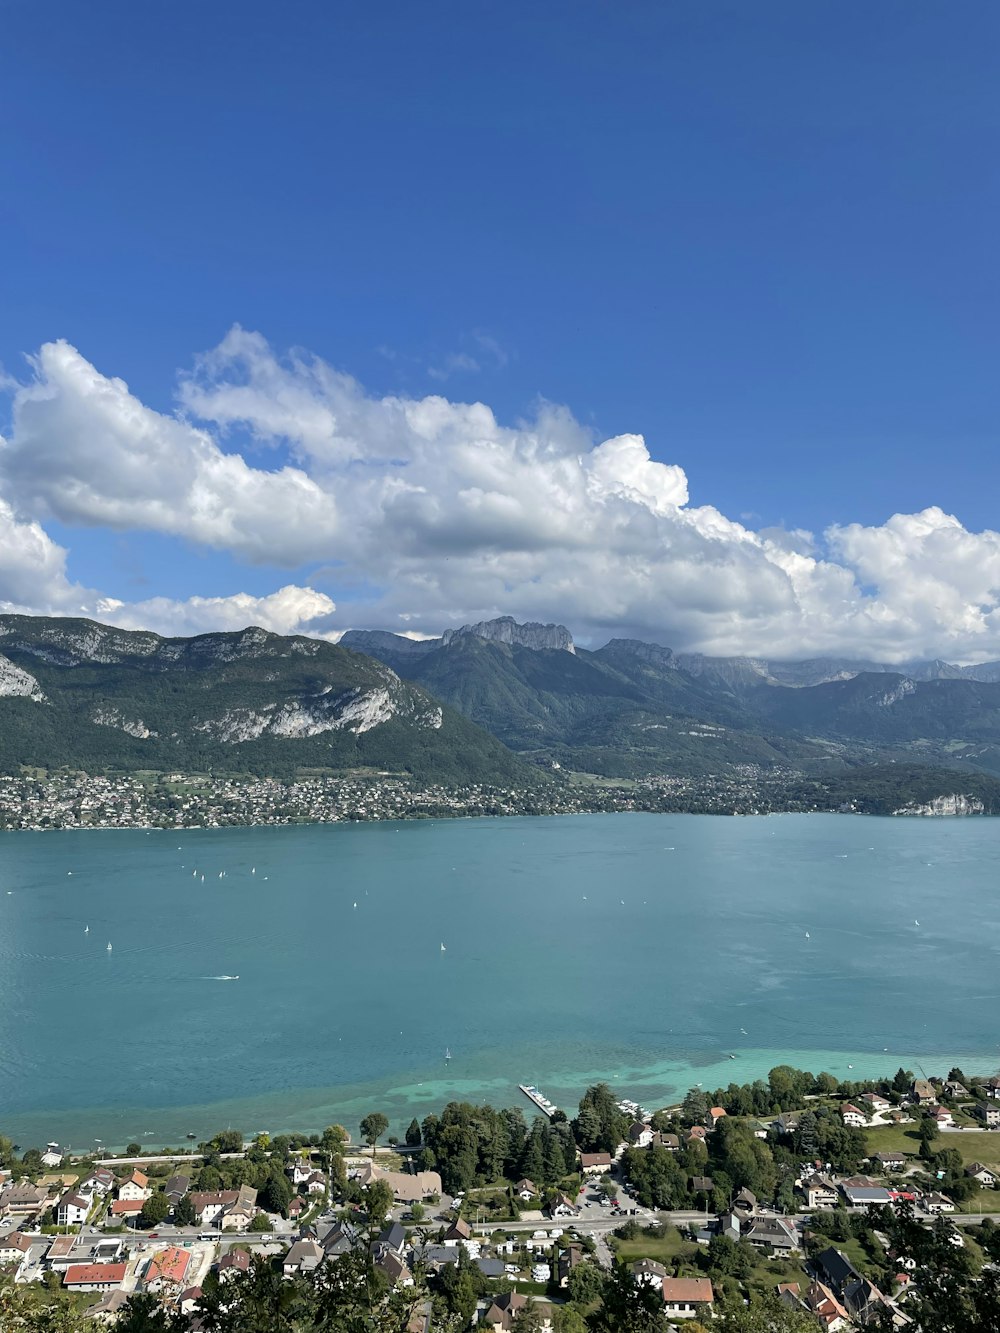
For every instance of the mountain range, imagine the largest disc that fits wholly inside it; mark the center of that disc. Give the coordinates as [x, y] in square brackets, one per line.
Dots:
[632, 708]
[79, 694]
[496, 702]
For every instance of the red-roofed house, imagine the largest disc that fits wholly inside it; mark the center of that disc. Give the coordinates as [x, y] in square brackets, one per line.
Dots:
[94, 1277]
[136, 1187]
[687, 1297]
[852, 1117]
[167, 1268]
[715, 1115]
[126, 1207]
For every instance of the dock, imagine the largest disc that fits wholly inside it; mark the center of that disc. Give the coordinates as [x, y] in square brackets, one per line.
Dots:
[542, 1102]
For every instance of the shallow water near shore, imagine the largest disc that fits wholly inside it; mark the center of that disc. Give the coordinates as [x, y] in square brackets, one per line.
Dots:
[654, 951]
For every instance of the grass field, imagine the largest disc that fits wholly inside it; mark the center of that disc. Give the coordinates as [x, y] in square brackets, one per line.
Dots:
[979, 1145]
[673, 1246]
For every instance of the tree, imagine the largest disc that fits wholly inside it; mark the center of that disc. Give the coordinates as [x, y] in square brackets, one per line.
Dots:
[628, 1306]
[133, 1150]
[261, 1222]
[694, 1110]
[763, 1314]
[528, 1319]
[228, 1140]
[417, 1211]
[373, 1127]
[276, 1194]
[184, 1213]
[413, 1133]
[586, 1282]
[377, 1200]
[333, 1139]
[154, 1210]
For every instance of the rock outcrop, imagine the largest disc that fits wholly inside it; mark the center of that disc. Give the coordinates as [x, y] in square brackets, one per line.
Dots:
[505, 629]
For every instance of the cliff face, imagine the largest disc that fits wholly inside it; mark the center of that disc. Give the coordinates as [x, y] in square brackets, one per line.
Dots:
[955, 804]
[505, 629]
[77, 693]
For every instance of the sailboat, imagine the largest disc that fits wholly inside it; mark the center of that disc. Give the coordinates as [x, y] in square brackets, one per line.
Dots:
[447, 1052]
[86, 930]
[109, 946]
[443, 950]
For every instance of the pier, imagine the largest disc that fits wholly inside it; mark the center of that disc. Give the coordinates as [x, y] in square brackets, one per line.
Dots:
[533, 1095]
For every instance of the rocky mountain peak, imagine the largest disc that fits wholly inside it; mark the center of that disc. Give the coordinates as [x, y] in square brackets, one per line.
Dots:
[505, 629]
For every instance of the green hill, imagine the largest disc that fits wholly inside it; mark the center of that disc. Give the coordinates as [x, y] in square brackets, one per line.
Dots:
[79, 694]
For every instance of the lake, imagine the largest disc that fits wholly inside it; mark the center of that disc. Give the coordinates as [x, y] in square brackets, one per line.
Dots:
[647, 950]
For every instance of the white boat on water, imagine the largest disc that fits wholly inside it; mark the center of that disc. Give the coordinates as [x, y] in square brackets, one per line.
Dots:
[109, 946]
[447, 1052]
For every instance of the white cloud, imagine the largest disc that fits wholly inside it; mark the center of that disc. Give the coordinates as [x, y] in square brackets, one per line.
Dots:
[85, 450]
[450, 516]
[289, 610]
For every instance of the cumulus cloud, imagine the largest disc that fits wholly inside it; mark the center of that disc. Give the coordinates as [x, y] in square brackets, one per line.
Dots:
[431, 512]
[87, 451]
[289, 610]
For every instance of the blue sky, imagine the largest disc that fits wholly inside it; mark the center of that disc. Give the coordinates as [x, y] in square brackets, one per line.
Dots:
[761, 237]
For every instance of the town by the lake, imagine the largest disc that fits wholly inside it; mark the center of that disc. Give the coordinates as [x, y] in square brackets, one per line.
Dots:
[838, 1202]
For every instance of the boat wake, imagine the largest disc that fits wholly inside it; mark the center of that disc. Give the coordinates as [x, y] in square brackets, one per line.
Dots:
[223, 978]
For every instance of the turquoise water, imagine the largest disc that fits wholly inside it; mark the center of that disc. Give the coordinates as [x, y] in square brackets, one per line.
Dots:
[644, 949]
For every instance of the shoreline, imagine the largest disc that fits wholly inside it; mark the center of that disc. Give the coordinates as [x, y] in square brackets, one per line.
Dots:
[310, 1110]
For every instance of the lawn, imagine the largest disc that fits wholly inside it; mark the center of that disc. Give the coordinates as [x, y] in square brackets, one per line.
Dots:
[764, 1277]
[663, 1249]
[980, 1145]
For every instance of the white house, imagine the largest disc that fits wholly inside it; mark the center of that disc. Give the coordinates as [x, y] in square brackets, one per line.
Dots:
[72, 1209]
[687, 1297]
[852, 1117]
[135, 1188]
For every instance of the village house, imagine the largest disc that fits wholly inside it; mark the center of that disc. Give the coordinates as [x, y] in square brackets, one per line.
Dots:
[458, 1231]
[745, 1202]
[125, 1208]
[22, 1199]
[989, 1115]
[568, 1260]
[167, 1269]
[823, 1305]
[136, 1187]
[562, 1206]
[697, 1134]
[991, 1086]
[701, 1184]
[209, 1205]
[595, 1163]
[13, 1247]
[238, 1215]
[394, 1267]
[188, 1300]
[108, 1308]
[715, 1114]
[100, 1182]
[405, 1188]
[669, 1141]
[233, 1262]
[500, 1316]
[819, 1192]
[59, 1254]
[955, 1091]
[923, 1092]
[941, 1115]
[889, 1161]
[640, 1135]
[862, 1192]
[774, 1234]
[937, 1203]
[986, 1177]
[876, 1101]
[72, 1209]
[525, 1189]
[651, 1273]
[303, 1257]
[176, 1187]
[852, 1117]
[94, 1277]
[687, 1297]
